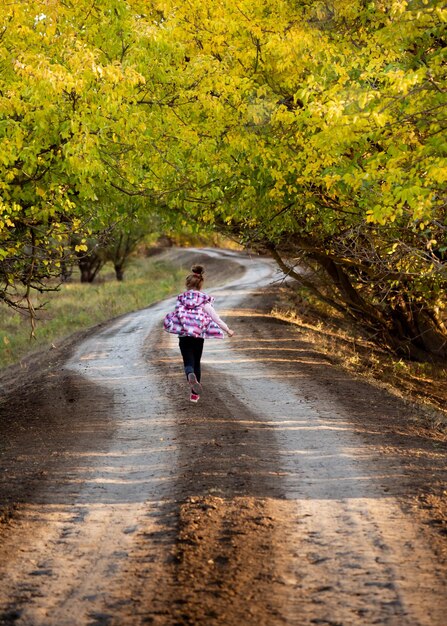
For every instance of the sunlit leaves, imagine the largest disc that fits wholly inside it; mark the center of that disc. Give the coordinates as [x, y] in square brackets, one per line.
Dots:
[318, 127]
[71, 128]
[277, 121]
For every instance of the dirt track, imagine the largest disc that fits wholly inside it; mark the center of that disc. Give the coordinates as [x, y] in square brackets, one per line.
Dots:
[291, 494]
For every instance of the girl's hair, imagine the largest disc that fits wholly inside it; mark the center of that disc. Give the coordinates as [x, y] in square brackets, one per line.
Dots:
[195, 279]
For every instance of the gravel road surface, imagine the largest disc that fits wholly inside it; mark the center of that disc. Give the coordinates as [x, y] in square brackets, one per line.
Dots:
[290, 494]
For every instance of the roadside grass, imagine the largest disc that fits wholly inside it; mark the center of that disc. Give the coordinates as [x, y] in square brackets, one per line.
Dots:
[77, 306]
[418, 383]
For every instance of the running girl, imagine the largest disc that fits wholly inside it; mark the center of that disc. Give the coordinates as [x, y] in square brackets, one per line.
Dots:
[194, 320]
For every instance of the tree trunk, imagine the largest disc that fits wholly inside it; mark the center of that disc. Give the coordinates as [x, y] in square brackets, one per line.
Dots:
[408, 329]
[119, 272]
[89, 266]
[66, 272]
[418, 332]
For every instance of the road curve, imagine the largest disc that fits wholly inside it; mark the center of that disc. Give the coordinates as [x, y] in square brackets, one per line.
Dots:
[260, 505]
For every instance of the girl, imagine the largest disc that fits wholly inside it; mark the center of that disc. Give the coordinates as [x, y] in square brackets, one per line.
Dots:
[194, 320]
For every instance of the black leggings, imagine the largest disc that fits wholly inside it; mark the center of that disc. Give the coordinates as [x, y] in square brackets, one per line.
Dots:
[191, 349]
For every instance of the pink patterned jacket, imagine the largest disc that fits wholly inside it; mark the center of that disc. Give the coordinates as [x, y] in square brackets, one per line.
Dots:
[189, 319]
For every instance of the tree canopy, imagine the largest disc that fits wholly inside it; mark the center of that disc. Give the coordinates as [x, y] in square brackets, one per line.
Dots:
[71, 130]
[311, 129]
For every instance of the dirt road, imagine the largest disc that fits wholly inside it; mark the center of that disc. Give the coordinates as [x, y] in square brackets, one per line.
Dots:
[291, 494]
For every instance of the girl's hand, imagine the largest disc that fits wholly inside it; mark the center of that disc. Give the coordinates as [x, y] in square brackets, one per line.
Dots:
[230, 332]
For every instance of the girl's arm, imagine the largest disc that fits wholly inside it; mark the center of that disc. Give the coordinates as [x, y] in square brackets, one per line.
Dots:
[208, 308]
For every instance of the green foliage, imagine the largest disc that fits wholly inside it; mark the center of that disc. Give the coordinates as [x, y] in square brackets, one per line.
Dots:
[71, 129]
[313, 129]
[320, 133]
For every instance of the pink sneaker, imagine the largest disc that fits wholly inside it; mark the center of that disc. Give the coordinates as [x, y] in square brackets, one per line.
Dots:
[194, 397]
[196, 387]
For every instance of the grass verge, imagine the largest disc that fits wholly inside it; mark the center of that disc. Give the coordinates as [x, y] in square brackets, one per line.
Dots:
[77, 306]
[418, 383]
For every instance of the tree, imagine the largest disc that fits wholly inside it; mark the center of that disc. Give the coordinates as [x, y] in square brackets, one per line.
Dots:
[125, 236]
[90, 261]
[311, 129]
[71, 130]
[317, 131]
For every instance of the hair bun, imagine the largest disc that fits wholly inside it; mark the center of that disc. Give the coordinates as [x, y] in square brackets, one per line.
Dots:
[197, 269]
